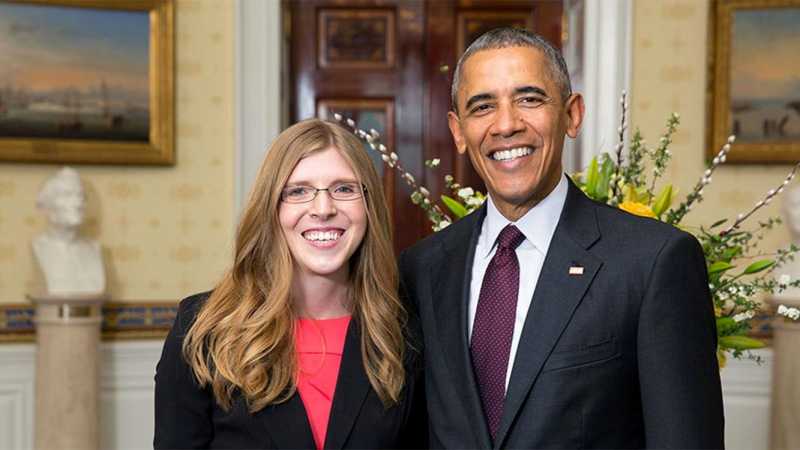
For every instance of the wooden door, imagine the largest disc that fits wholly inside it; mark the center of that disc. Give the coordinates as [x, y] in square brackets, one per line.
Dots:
[388, 65]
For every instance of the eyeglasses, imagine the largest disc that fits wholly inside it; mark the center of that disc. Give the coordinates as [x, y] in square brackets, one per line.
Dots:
[339, 191]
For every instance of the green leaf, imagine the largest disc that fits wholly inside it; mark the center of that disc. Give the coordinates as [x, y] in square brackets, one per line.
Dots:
[591, 178]
[717, 223]
[663, 200]
[740, 342]
[758, 266]
[731, 253]
[454, 206]
[603, 180]
[719, 266]
[725, 325]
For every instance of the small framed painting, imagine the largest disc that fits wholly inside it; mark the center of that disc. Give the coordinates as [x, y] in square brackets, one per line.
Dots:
[755, 80]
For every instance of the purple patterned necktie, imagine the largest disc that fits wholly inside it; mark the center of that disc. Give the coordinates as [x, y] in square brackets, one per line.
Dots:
[493, 328]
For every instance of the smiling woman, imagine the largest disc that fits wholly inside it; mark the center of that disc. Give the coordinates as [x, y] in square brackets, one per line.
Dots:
[305, 331]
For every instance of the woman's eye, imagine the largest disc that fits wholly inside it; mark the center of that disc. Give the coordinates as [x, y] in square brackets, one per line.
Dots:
[347, 188]
[298, 191]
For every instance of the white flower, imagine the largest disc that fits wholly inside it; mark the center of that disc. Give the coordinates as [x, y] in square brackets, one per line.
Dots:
[435, 162]
[784, 280]
[466, 192]
[474, 201]
[441, 225]
[424, 192]
[744, 316]
[791, 313]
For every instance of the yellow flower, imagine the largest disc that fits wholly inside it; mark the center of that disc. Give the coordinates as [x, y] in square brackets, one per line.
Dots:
[640, 209]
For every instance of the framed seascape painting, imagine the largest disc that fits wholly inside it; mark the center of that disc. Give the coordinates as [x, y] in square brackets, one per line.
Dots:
[87, 81]
[755, 80]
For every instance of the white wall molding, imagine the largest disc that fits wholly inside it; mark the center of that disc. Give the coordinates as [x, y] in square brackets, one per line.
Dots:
[746, 391]
[17, 362]
[258, 90]
[126, 397]
[607, 36]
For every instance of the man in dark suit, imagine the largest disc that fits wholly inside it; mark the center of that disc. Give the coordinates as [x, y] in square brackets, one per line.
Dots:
[550, 320]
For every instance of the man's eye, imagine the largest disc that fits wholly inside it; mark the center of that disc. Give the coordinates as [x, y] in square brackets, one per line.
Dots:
[532, 100]
[481, 108]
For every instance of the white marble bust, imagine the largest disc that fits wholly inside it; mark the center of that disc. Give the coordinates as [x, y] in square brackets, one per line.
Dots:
[791, 214]
[71, 264]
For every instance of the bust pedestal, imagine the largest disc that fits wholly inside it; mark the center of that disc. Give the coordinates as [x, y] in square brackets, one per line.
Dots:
[67, 370]
[785, 420]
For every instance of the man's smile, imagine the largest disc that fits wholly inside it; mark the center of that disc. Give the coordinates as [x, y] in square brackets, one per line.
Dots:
[510, 154]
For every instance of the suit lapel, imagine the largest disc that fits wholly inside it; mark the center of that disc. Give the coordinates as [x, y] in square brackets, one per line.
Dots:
[290, 415]
[558, 293]
[451, 276]
[352, 387]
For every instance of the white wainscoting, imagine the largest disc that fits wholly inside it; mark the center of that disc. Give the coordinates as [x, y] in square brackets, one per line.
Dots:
[126, 396]
[746, 391]
[17, 362]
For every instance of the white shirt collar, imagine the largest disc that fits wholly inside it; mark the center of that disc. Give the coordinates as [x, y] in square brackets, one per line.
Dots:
[538, 225]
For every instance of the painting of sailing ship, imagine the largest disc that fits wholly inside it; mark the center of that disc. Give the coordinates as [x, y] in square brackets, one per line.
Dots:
[765, 75]
[72, 73]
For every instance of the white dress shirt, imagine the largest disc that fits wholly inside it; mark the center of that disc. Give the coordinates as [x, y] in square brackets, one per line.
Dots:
[538, 225]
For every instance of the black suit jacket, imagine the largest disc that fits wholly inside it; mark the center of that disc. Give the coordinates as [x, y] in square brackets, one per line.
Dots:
[186, 416]
[620, 356]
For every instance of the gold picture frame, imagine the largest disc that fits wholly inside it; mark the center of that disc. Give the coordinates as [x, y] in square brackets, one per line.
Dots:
[748, 97]
[123, 125]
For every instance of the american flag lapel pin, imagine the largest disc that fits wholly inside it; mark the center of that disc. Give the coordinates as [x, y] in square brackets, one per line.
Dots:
[576, 270]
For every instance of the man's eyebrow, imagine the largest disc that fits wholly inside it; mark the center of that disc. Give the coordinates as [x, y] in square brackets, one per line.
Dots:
[478, 98]
[530, 90]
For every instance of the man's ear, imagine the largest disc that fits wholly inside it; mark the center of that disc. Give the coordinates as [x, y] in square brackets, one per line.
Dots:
[575, 111]
[455, 129]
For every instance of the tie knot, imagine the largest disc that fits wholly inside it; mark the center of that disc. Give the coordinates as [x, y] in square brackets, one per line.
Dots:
[510, 237]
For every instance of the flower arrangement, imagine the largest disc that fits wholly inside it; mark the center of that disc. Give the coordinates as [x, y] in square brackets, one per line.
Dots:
[737, 272]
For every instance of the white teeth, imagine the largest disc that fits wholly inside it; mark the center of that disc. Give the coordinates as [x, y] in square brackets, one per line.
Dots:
[321, 235]
[505, 155]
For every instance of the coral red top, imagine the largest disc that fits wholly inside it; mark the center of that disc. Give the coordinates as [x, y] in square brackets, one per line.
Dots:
[319, 345]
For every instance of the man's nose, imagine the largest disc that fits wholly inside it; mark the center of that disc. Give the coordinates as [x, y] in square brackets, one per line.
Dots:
[323, 205]
[507, 121]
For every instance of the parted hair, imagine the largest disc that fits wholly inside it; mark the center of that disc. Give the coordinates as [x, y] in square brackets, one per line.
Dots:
[243, 337]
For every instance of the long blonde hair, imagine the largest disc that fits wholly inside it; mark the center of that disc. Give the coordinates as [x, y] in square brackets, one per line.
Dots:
[243, 337]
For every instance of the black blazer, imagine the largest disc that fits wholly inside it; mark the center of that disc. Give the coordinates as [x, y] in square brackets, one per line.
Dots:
[620, 356]
[187, 416]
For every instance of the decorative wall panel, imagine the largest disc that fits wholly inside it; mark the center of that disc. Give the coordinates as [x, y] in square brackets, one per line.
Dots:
[120, 321]
[472, 24]
[356, 38]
